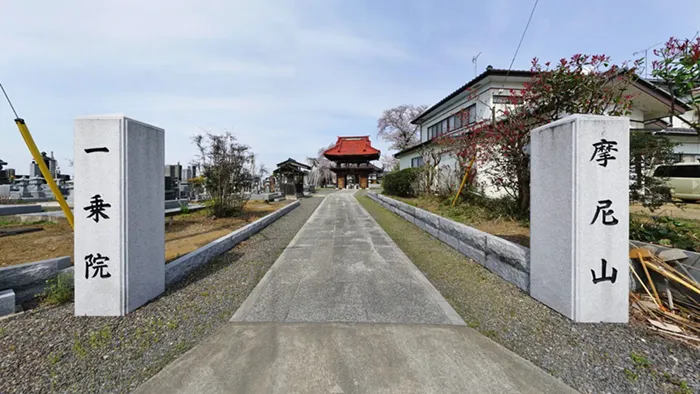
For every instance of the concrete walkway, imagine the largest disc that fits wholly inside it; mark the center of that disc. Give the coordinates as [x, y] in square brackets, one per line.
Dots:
[342, 267]
[343, 310]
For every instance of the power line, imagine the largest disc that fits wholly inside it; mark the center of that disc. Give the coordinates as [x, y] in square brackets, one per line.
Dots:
[520, 43]
[8, 100]
[646, 57]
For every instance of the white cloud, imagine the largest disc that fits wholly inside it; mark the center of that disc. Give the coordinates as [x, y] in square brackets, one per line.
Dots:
[265, 70]
[287, 77]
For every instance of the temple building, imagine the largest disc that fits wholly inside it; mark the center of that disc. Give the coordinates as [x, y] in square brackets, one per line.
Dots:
[352, 156]
[289, 178]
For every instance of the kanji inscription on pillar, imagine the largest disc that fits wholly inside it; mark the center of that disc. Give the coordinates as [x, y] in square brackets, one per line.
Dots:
[119, 208]
[579, 221]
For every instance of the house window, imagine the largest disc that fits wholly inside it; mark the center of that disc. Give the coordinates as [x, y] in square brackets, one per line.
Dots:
[458, 120]
[416, 162]
[471, 113]
[503, 99]
[452, 123]
[435, 130]
[432, 130]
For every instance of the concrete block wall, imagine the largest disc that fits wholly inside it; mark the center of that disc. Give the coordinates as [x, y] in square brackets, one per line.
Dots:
[171, 204]
[21, 283]
[178, 269]
[29, 279]
[504, 258]
[6, 210]
[7, 302]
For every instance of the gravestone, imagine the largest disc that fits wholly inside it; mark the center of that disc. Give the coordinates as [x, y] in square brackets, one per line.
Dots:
[37, 188]
[579, 226]
[119, 204]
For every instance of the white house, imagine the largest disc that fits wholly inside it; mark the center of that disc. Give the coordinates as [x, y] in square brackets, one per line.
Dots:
[487, 95]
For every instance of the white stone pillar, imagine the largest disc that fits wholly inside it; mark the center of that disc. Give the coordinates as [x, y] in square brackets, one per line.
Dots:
[119, 214]
[579, 220]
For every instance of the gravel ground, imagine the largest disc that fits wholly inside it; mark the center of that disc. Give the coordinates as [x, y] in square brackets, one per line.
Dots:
[592, 358]
[50, 350]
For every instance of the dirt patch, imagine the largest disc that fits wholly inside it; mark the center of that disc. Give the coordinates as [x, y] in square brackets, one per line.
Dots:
[690, 211]
[512, 231]
[519, 232]
[475, 216]
[186, 233]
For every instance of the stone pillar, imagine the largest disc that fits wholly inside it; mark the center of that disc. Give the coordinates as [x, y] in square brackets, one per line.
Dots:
[579, 217]
[119, 214]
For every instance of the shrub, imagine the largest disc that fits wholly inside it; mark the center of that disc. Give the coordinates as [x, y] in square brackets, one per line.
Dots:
[401, 183]
[226, 167]
[667, 231]
[59, 290]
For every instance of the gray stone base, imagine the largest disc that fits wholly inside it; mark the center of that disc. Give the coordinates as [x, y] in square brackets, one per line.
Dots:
[504, 258]
[19, 208]
[7, 302]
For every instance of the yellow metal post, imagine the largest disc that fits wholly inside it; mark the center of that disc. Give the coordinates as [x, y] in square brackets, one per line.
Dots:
[44, 170]
[464, 180]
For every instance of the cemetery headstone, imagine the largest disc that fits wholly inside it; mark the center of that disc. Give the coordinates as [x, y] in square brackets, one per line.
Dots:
[119, 223]
[579, 219]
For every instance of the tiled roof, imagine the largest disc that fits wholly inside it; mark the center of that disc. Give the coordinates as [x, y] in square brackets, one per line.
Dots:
[411, 148]
[293, 163]
[488, 72]
[654, 85]
[678, 131]
[352, 146]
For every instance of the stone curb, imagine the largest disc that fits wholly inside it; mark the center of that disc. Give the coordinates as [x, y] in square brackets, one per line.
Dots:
[28, 273]
[6, 210]
[504, 258]
[7, 302]
[178, 269]
[27, 280]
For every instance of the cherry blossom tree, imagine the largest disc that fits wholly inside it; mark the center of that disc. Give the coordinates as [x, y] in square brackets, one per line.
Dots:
[394, 126]
[324, 174]
[389, 162]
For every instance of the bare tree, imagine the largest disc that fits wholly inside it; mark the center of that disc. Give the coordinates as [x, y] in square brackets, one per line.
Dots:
[395, 126]
[226, 169]
[431, 155]
[258, 174]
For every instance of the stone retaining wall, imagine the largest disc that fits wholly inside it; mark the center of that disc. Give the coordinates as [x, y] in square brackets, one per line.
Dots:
[171, 204]
[504, 258]
[6, 210]
[179, 268]
[269, 197]
[29, 279]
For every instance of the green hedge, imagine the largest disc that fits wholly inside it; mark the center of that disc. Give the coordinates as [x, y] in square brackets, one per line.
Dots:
[401, 183]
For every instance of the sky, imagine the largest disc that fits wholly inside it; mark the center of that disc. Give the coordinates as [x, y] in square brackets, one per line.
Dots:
[286, 77]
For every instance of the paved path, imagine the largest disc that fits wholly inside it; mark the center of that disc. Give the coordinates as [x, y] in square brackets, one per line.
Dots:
[342, 267]
[343, 310]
